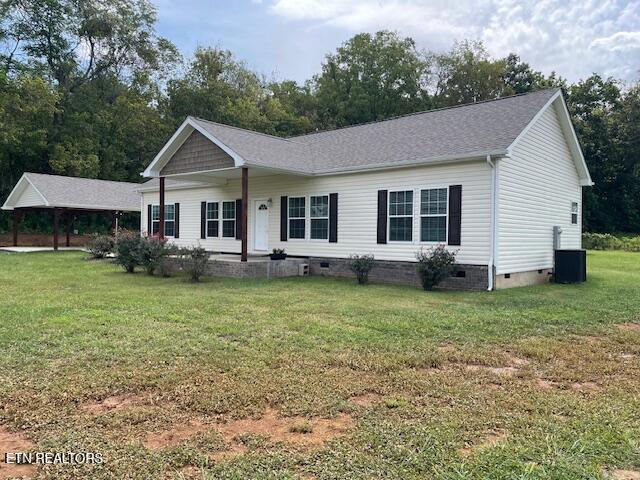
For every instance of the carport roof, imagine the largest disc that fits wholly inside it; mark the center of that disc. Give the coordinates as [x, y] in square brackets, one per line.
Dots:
[37, 190]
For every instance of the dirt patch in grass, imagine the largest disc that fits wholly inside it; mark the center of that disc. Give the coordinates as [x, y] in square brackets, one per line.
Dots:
[625, 475]
[629, 327]
[10, 443]
[278, 429]
[588, 387]
[315, 433]
[502, 371]
[116, 402]
[176, 435]
[365, 400]
[491, 439]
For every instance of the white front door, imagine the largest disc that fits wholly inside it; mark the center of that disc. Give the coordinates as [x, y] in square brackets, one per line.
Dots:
[261, 225]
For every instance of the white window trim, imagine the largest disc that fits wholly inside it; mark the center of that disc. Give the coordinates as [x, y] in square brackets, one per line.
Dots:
[576, 213]
[154, 205]
[412, 216]
[305, 218]
[420, 215]
[222, 220]
[324, 240]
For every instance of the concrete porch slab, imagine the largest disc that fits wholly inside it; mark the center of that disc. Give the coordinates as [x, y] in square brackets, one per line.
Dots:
[36, 249]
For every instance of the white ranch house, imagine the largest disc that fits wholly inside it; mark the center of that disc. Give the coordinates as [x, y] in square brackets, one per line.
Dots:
[490, 180]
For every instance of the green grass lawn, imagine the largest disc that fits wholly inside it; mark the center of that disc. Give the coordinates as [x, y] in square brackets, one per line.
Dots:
[318, 378]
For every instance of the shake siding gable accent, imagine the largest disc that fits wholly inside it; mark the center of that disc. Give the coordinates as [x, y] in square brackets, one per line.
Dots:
[455, 214]
[537, 185]
[333, 217]
[239, 219]
[357, 210]
[382, 216]
[197, 154]
[203, 220]
[284, 214]
[176, 233]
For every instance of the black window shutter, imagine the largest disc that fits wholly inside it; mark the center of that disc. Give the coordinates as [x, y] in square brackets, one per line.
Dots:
[382, 216]
[333, 217]
[203, 220]
[149, 231]
[455, 214]
[284, 213]
[176, 227]
[238, 219]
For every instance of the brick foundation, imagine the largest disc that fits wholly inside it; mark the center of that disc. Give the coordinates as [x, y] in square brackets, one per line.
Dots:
[475, 276]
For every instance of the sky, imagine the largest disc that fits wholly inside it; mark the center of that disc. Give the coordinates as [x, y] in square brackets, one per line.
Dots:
[288, 39]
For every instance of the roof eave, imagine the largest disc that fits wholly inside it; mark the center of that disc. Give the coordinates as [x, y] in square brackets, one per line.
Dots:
[472, 156]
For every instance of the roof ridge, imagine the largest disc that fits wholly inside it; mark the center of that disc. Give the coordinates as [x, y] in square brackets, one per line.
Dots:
[423, 112]
[78, 178]
[286, 139]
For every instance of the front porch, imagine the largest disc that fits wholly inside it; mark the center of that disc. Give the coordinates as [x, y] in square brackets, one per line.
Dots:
[253, 266]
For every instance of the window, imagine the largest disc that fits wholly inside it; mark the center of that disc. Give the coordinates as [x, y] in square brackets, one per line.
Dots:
[296, 217]
[319, 208]
[574, 213]
[169, 220]
[401, 216]
[213, 216]
[229, 219]
[433, 215]
[155, 219]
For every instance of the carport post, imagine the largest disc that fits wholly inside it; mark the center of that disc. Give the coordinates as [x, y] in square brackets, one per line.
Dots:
[68, 221]
[16, 220]
[56, 224]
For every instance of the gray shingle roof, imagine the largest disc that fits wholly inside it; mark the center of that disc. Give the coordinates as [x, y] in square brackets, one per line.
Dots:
[456, 132]
[75, 192]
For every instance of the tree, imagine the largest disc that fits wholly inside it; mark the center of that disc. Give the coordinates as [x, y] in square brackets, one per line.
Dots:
[220, 88]
[592, 103]
[371, 77]
[467, 74]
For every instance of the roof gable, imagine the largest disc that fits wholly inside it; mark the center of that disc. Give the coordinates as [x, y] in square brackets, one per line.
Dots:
[197, 154]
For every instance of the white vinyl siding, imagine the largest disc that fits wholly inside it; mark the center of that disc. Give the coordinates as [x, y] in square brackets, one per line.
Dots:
[357, 210]
[536, 188]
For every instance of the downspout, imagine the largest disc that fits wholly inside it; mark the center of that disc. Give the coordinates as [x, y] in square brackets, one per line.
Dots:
[493, 224]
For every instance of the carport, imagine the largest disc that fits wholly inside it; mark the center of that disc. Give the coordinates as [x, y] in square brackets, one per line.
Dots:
[67, 197]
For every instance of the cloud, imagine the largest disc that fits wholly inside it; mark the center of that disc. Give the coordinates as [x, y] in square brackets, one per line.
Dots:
[618, 42]
[571, 37]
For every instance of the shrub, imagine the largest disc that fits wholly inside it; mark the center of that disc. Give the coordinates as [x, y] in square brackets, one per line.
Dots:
[153, 250]
[128, 250]
[434, 265]
[600, 241]
[361, 265]
[166, 267]
[607, 241]
[100, 246]
[194, 261]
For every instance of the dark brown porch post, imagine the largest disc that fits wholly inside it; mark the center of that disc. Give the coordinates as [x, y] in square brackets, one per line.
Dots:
[161, 224]
[16, 219]
[67, 226]
[56, 224]
[245, 207]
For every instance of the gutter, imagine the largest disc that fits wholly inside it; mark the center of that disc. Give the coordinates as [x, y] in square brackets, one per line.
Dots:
[494, 227]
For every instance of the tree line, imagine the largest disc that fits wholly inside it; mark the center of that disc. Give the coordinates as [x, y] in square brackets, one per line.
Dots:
[88, 88]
